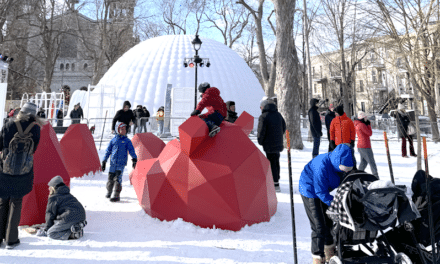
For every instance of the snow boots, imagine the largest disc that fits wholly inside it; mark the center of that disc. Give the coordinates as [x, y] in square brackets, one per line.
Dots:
[277, 187]
[12, 245]
[318, 260]
[215, 129]
[117, 187]
[110, 184]
[77, 230]
[329, 252]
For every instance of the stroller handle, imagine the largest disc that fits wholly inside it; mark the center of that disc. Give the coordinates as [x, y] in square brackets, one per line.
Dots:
[383, 190]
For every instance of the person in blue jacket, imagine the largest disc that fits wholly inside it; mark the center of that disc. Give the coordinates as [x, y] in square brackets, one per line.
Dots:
[118, 148]
[320, 176]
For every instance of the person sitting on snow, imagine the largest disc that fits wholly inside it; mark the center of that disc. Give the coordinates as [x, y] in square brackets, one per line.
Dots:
[117, 149]
[321, 176]
[65, 215]
[216, 108]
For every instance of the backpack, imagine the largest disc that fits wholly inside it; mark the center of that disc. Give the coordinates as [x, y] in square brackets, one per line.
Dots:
[18, 158]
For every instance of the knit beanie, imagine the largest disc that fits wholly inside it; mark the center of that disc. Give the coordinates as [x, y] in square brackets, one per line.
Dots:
[127, 103]
[55, 181]
[229, 103]
[119, 125]
[29, 108]
[340, 109]
[203, 87]
[361, 115]
[264, 103]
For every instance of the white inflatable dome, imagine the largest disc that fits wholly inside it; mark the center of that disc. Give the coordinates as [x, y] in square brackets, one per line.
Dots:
[141, 75]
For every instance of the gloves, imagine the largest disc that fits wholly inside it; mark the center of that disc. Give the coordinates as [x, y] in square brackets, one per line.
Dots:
[195, 112]
[332, 145]
[134, 163]
[367, 122]
[103, 165]
[41, 233]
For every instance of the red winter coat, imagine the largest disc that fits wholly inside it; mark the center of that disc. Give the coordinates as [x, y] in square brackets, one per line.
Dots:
[212, 101]
[364, 133]
[342, 130]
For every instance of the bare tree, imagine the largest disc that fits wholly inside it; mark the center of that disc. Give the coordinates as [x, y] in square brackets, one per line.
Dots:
[267, 77]
[287, 69]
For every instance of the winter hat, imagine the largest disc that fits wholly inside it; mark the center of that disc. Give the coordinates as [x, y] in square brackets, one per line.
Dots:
[55, 181]
[29, 108]
[361, 115]
[139, 106]
[339, 109]
[203, 87]
[265, 102]
[127, 103]
[400, 107]
[119, 125]
[230, 103]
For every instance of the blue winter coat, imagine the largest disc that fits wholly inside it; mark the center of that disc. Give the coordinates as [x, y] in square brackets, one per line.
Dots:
[118, 148]
[320, 176]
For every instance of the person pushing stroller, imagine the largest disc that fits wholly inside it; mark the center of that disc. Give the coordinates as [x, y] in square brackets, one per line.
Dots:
[216, 108]
[117, 149]
[319, 177]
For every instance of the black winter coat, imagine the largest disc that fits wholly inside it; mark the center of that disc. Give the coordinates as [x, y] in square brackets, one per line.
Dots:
[315, 120]
[17, 186]
[271, 128]
[124, 117]
[75, 115]
[139, 113]
[41, 114]
[328, 120]
[403, 121]
[231, 117]
[64, 207]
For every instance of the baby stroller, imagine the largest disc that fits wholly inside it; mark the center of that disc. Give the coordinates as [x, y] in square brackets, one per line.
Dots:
[361, 213]
[414, 237]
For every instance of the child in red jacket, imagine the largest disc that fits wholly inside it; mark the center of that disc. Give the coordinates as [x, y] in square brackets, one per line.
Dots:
[364, 132]
[216, 108]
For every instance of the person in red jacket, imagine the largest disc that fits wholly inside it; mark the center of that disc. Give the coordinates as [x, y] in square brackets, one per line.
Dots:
[342, 131]
[216, 108]
[364, 132]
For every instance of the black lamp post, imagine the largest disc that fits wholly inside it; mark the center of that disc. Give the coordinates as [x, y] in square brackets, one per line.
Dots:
[196, 61]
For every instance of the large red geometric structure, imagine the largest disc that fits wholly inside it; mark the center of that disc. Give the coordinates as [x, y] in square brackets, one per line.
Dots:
[147, 146]
[79, 151]
[48, 163]
[246, 122]
[223, 181]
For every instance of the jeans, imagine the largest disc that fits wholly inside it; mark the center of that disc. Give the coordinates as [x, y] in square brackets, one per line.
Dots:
[10, 214]
[367, 157]
[160, 123]
[320, 224]
[316, 143]
[411, 146]
[214, 119]
[274, 159]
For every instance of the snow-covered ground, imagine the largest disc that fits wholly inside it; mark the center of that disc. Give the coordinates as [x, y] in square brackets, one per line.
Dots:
[123, 233]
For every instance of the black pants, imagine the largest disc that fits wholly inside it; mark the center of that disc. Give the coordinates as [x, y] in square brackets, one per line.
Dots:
[274, 159]
[10, 214]
[320, 224]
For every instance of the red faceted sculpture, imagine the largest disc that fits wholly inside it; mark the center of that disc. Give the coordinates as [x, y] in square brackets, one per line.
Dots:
[79, 151]
[48, 163]
[246, 122]
[223, 181]
[147, 146]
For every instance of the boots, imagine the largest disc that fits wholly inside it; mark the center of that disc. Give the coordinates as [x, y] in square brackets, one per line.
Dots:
[110, 184]
[116, 192]
[329, 252]
[215, 129]
[318, 260]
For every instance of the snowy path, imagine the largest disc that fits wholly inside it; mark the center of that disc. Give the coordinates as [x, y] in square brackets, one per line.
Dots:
[123, 233]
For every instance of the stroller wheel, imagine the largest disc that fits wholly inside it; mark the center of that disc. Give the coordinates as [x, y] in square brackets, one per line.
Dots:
[335, 260]
[402, 258]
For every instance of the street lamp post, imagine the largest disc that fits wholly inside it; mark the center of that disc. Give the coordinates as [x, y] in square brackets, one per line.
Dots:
[195, 62]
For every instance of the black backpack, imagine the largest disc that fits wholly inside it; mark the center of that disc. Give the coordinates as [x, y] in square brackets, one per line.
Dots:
[18, 158]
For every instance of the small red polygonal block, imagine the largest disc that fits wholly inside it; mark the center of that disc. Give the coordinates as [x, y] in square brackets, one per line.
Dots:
[48, 163]
[246, 122]
[147, 146]
[192, 133]
[225, 182]
[79, 151]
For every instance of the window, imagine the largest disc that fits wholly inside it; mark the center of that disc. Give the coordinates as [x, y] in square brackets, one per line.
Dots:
[363, 106]
[67, 66]
[85, 66]
[360, 66]
[73, 66]
[361, 86]
[61, 67]
[373, 76]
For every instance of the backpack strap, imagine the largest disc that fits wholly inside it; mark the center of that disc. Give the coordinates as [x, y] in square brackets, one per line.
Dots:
[28, 129]
[19, 128]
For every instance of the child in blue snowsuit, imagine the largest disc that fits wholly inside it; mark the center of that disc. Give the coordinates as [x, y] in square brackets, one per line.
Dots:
[118, 148]
[321, 176]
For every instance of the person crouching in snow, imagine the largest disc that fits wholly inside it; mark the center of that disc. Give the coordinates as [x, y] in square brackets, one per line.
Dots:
[216, 108]
[118, 148]
[65, 215]
[321, 176]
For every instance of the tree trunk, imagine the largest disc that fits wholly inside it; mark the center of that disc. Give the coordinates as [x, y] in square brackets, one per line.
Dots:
[419, 139]
[430, 100]
[48, 73]
[287, 70]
